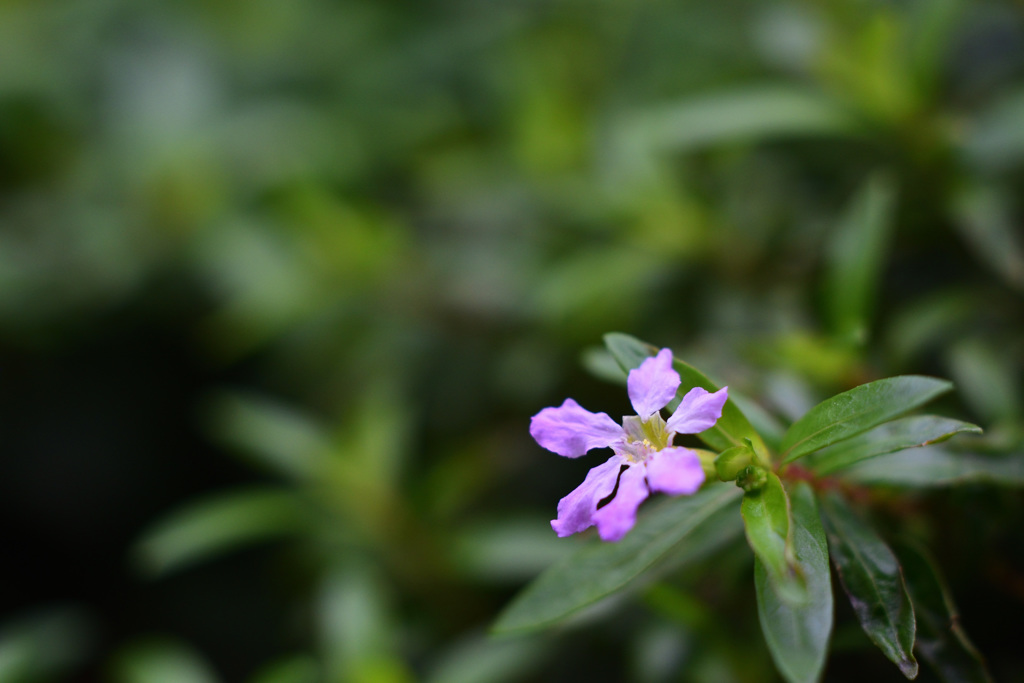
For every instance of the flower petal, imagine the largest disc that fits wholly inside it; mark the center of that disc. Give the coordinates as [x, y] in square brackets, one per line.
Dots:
[576, 511]
[699, 410]
[675, 471]
[616, 518]
[571, 431]
[652, 385]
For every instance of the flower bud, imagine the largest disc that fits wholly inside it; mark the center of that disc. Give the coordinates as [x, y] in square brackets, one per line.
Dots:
[752, 478]
[731, 462]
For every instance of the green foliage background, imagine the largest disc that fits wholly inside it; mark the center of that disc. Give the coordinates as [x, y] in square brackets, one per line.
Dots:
[282, 281]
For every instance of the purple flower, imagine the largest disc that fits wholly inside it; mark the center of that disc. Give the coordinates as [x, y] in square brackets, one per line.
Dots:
[645, 459]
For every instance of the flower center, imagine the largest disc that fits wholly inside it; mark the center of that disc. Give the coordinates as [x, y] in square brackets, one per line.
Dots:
[643, 438]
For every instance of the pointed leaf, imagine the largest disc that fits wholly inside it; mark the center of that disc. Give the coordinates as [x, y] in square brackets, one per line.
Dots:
[996, 140]
[985, 218]
[730, 430]
[858, 410]
[478, 658]
[928, 323]
[211, 526]
[933, 28]
[269, 434]
[46, 644]
[766, 517]
[856, 259]
[752, 113]
[506, 549]
[797, 635]
[937, 466]
[941, 640]
[871, 576]
[985, 372]
[158, 661]
[692, 526]
[898, 435]
[628, 351]
[294, 669]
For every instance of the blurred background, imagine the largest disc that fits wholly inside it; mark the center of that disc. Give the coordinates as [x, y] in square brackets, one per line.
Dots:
[282, 281]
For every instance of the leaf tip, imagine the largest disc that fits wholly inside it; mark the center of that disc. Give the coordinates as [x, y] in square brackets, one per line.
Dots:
[908, 667]
[506, 625]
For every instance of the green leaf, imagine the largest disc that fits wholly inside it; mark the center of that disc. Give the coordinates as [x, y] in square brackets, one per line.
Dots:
[356, 623]
[271, 435]
[797, 634]
[996, 140]
[898, 435]
[628, 351]
[871, 576]
[693, 526]
[45, 645]
[856, 257]
[750, 114]
[933, 28]
[936, 466]
[766, 518]
[215, 525]
[767, 425]
[160, 661]
[985, 372]
[506, 550]
[294, 669]
[941, 641]
[858, 410]
[985, 218]
[478, 658]
[928, 323]
[730, 430]
[600, 363]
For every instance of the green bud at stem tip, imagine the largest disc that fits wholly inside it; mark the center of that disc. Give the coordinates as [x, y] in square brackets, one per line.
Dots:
[752, 478]
[731, 462]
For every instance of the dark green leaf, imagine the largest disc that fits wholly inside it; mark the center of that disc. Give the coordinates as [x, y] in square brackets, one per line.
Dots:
[730, 430]
[898, 435]
[159, 661]
[941, 640]
[985, 217]
[933, 27]
[509, 550]
[270, 434]
[936, 466]
[996, 140]
[294, 669]
[767, 425]
[928, 323]
[766, 517]
[733, 428]
[985, 372]
[858, 410]
[478, 658]
[753, 113]
[690, 525]
[856, 259]
[355, 623]
[601, 364]
[215, 525]
[871, 576]
[46, 645]
[628, 351]
[797, 634]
